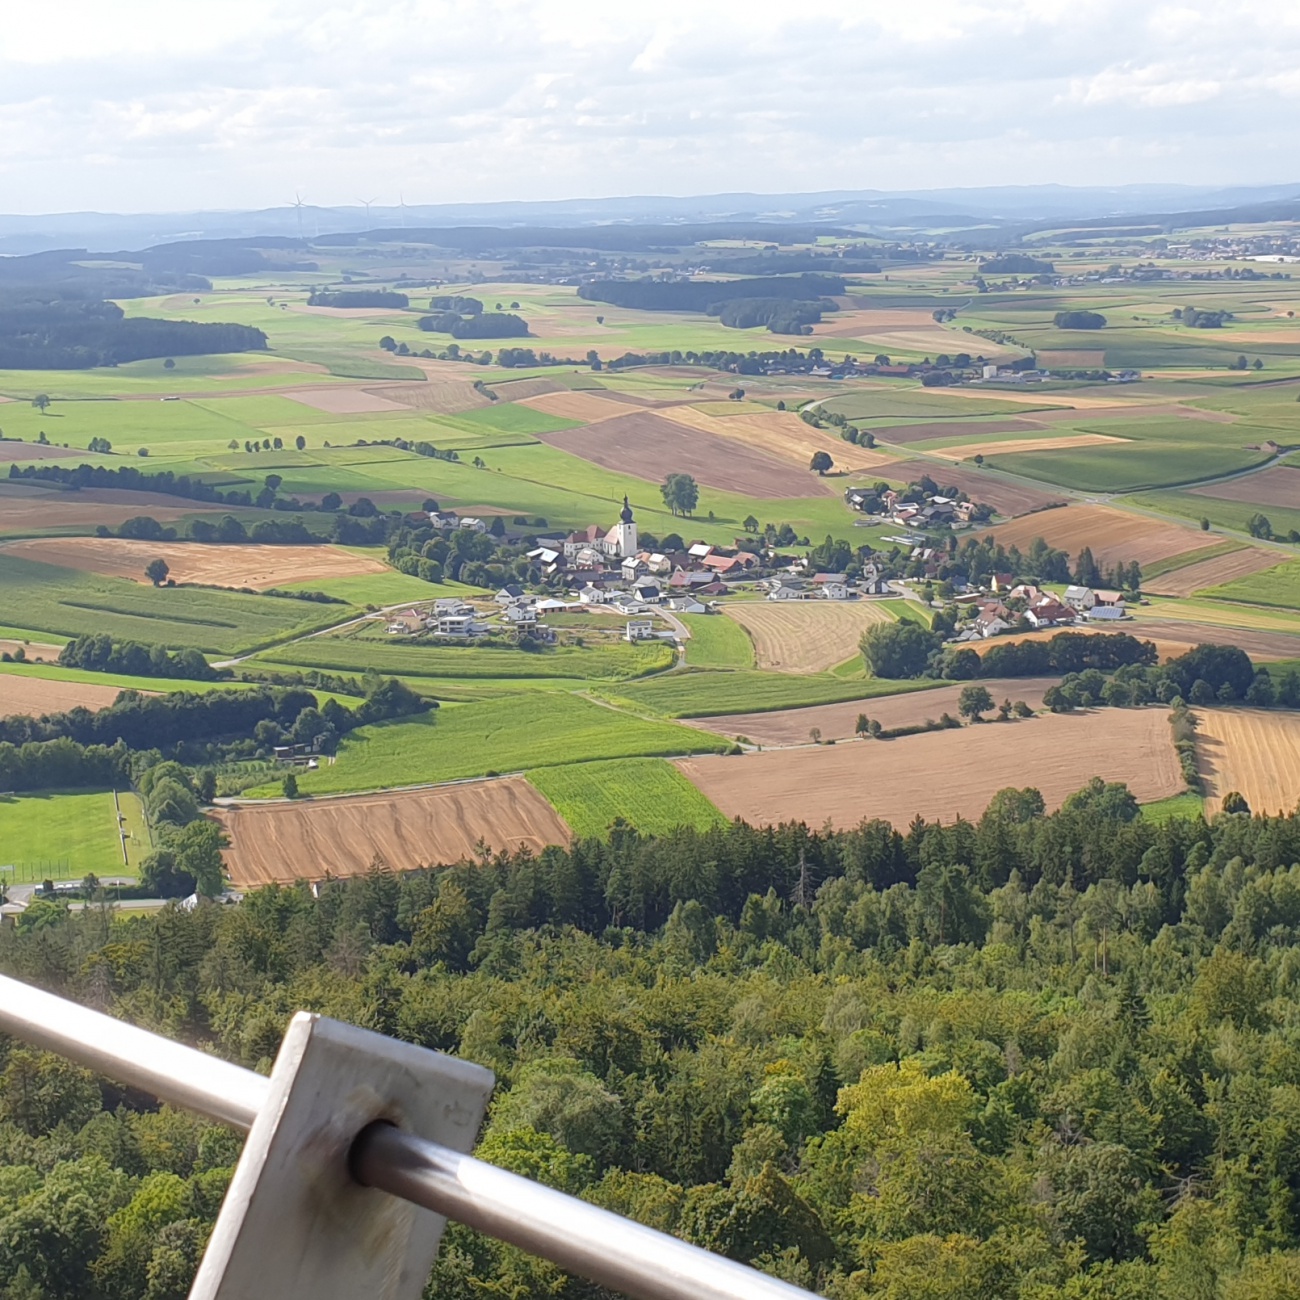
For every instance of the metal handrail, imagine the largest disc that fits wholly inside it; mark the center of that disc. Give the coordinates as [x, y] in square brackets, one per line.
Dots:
[581, 1238]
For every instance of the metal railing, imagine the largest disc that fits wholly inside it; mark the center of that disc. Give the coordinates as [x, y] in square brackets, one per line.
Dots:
[577, 1236]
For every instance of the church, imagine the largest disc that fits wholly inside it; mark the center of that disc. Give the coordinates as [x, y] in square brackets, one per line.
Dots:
[593, 546]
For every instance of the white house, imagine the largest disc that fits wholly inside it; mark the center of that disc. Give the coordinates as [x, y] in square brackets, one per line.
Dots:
[687, 605]
[640, 629]
[474, 525]
[788, 589]
[591, 595]
[1080, 598]
[461, 625]
[835, 591]
[509, 594]
[648, 592]
[520, 615]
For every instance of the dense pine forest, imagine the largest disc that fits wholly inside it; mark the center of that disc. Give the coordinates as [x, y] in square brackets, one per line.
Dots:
[1037, 1056]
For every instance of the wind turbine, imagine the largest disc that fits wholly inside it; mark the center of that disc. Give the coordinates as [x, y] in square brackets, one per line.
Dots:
[365, 203]
[298, 206]
[401, 203]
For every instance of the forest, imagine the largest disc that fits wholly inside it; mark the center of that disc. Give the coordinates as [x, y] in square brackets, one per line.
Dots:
[700, 295]
[1041, 1055]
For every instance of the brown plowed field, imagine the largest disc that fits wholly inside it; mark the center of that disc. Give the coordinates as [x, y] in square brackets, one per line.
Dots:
[902, 434]
[310, 839]
[32, 649]
[836, 721]
[12, 450]
[997, 447]
[587, 407]
[41, 510]
[1113, 535]
[649, 445]
[944, 774]
[1209, 573]
[806, 636]
[218, 566]
[1006, 497]
[784, 434]
[1253, 751]
[1278, 486]
[515, 390]
[442, 396]
[34, 696]
[344, 401]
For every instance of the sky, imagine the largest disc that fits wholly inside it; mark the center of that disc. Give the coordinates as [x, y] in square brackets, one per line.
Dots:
[176, 105]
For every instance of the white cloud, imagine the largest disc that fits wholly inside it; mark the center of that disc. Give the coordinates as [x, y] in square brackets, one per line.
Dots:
[155, 104]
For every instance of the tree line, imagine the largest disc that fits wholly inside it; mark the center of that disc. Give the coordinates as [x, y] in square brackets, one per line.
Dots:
[700, 295]
[100, 653]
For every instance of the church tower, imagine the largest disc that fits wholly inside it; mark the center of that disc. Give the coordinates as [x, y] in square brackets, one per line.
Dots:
[622, 537]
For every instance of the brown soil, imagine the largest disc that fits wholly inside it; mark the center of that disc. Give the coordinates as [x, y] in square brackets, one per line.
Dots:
[44, 510]
[442, 396]
[1113, 535]
[1252, 751]
[837, 721]
[805, 636]
[649, 445]
[34, 696]
[1210, 573]
[902, 434]
[1276, 486]
[345, 401]
[11, 451]
[946, 774]
[587, 407]
[313, 838]
[1005, 497]
[220, 566]
[515, 390]
[32, 649]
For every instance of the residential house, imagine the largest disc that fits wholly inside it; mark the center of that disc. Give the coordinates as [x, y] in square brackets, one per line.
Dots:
[593, 595]
[1047, 611]
[1002, 584]
[648, 592]
[633, 568]
[640, 629]
[699, 551]
[1079, 598]
[788, 589]
[473, 525]
[1025, 591]
[459, 625]
[687, 605]
[509, 594]
[520, 615]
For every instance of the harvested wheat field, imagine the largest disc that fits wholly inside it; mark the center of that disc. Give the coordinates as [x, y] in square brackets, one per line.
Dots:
[25, 510]
[942, 775]
[218, 566]
[1210, 573]
[784, 434]
[1278, 486]
[442, 396]
[995, 447]
[11, 450]
[515, 390]
[587, 407]
[1113, 535]
[1005, 495]
[648, 445]
[837, 721]
[930, 430]
[344, 401]
[31, 649]
[806, 636]
[1253, 751]
[309, 839]
[35, 696]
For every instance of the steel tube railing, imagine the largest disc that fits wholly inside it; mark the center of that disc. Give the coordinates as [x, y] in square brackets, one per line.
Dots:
[603, 1247]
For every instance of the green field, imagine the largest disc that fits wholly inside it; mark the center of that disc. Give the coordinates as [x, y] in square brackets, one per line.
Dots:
[648, 793]
[1128, 466]
[65, 835]
[508, 418]
[1220, 513]
[717, 642]
[1176, 806]
[73, 603]
[612, 661]
[693, 693]
[515, 734]
[1279, 586]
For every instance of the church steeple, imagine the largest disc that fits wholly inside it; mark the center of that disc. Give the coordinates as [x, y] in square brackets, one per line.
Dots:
[626, 513]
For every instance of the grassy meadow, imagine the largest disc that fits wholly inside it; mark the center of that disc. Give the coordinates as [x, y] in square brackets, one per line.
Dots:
[64, 835]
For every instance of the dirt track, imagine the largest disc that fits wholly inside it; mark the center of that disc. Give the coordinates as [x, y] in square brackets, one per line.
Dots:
[310, 839]
[944, 774]
[837, 721]
[1253, 751]
[220, 566]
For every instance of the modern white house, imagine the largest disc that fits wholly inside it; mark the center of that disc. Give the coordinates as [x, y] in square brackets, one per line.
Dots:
[640, 629]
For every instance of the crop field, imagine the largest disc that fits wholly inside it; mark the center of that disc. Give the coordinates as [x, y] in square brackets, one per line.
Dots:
[1222, 513]
[717, 642]
[34, 696]
[1114, 536]
[1015, 446]
[838, 721]
[648, 793]
[1279, 485]
[512, 734]
[73, 604]
[1006, 495]
[806, 636]
[894, 401]
[221, 566]
[310, 839]
[700, 693]
[1255, 752]
[944, 775]
[939, 432]
[1277, 585]
[352, 654]
[1221, 574]
[28, 511]
[582, 408]
[65, 835]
